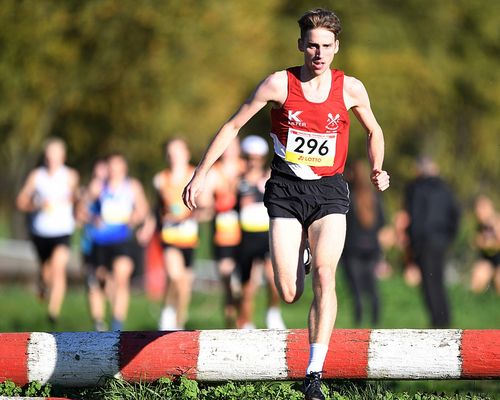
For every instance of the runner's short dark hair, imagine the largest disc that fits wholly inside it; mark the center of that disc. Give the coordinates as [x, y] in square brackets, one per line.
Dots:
[320, 18]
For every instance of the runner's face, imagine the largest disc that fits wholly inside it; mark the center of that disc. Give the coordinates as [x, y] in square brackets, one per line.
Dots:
[484, 209]
[117, 168]
[255, 161]
[319, 47]
[101, 170]
[55, 155]
[178, 153]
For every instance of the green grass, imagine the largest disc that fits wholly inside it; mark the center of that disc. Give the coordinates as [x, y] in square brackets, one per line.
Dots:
[191, 390]
[402, 307]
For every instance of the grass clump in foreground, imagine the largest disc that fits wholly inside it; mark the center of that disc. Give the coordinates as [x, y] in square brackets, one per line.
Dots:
[10, 389]
[186, 389]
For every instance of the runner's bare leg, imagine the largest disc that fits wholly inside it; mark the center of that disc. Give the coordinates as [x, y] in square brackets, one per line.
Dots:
[326, 237]
[287, 242]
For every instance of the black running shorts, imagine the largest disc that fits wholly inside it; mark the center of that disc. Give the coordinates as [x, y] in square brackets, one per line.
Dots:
[254, 246]
[187, 253]
[90, 264]
[45, 246]
[493, 258]
[107, 254]
[306, 200]
[221, 252]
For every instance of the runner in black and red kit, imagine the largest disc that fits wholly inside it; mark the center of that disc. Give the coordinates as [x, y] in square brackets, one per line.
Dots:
[310, 145]
[306, 196]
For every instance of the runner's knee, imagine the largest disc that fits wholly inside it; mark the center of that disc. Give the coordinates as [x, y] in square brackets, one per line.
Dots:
[290, 293]
[290, 296]
[324, 276]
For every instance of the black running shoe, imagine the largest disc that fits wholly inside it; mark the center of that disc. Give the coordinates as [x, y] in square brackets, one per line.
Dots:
[307, 258]
[52, 320]
[312, 387]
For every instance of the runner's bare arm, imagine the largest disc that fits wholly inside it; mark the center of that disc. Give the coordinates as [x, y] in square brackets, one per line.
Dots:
[356, 98]
[24, 200]
[74, 179]
[141, 206]
[206, 199]
[271, 89]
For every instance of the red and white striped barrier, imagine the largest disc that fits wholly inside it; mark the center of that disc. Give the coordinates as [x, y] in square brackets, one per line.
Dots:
[84, 358]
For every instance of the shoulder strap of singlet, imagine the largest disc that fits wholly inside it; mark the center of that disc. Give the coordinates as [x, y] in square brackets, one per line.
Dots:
[165, 179]
[294, 87]
[337, 89]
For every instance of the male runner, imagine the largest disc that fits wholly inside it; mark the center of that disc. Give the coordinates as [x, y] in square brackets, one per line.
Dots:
[254, 247]
[49, 195]
[223, 183]
[122, 212]
[179, 234]
[86, 211]
[306, 195]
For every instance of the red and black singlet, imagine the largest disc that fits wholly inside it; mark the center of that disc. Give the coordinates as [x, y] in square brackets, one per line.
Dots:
[310, 139]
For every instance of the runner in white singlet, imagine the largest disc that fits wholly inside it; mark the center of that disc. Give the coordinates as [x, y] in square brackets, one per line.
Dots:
[49, 195]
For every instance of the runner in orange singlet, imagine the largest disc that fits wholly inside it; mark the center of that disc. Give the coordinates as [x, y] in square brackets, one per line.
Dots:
[179, 234]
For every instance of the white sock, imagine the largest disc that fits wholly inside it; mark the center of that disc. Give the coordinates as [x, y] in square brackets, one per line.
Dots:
[248, 325]
[274, 319]
[317, 356]
[168, 319]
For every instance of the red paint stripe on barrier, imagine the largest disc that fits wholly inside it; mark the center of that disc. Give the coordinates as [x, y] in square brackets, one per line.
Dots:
[480, 354]
[148, 356]
[347, 356]
[297, 353]
[14, 357]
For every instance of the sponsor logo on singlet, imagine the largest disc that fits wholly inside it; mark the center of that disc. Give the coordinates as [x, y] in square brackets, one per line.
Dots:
[294, 119]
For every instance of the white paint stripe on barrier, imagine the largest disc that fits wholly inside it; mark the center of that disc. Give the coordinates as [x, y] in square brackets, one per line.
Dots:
[242, 354]
[42, 357]
[414, 354]
[73, 358]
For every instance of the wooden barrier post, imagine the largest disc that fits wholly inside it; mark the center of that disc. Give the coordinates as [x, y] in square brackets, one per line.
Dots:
[76, 359]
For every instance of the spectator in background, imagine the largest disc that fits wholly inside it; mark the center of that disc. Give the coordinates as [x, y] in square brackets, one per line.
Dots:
[434, 218]
[254, 247]
[49, 194]
[95, 274]
[487, 241]
[179, 233]
[223, 181]
[362, 251]
[121, 217]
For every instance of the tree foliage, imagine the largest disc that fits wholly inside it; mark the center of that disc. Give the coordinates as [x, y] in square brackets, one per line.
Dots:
[125, 75]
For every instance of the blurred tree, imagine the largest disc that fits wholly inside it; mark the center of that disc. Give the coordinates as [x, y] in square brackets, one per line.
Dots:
[121, 75]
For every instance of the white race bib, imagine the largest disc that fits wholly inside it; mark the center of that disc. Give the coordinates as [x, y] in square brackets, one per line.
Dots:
[313, 149]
